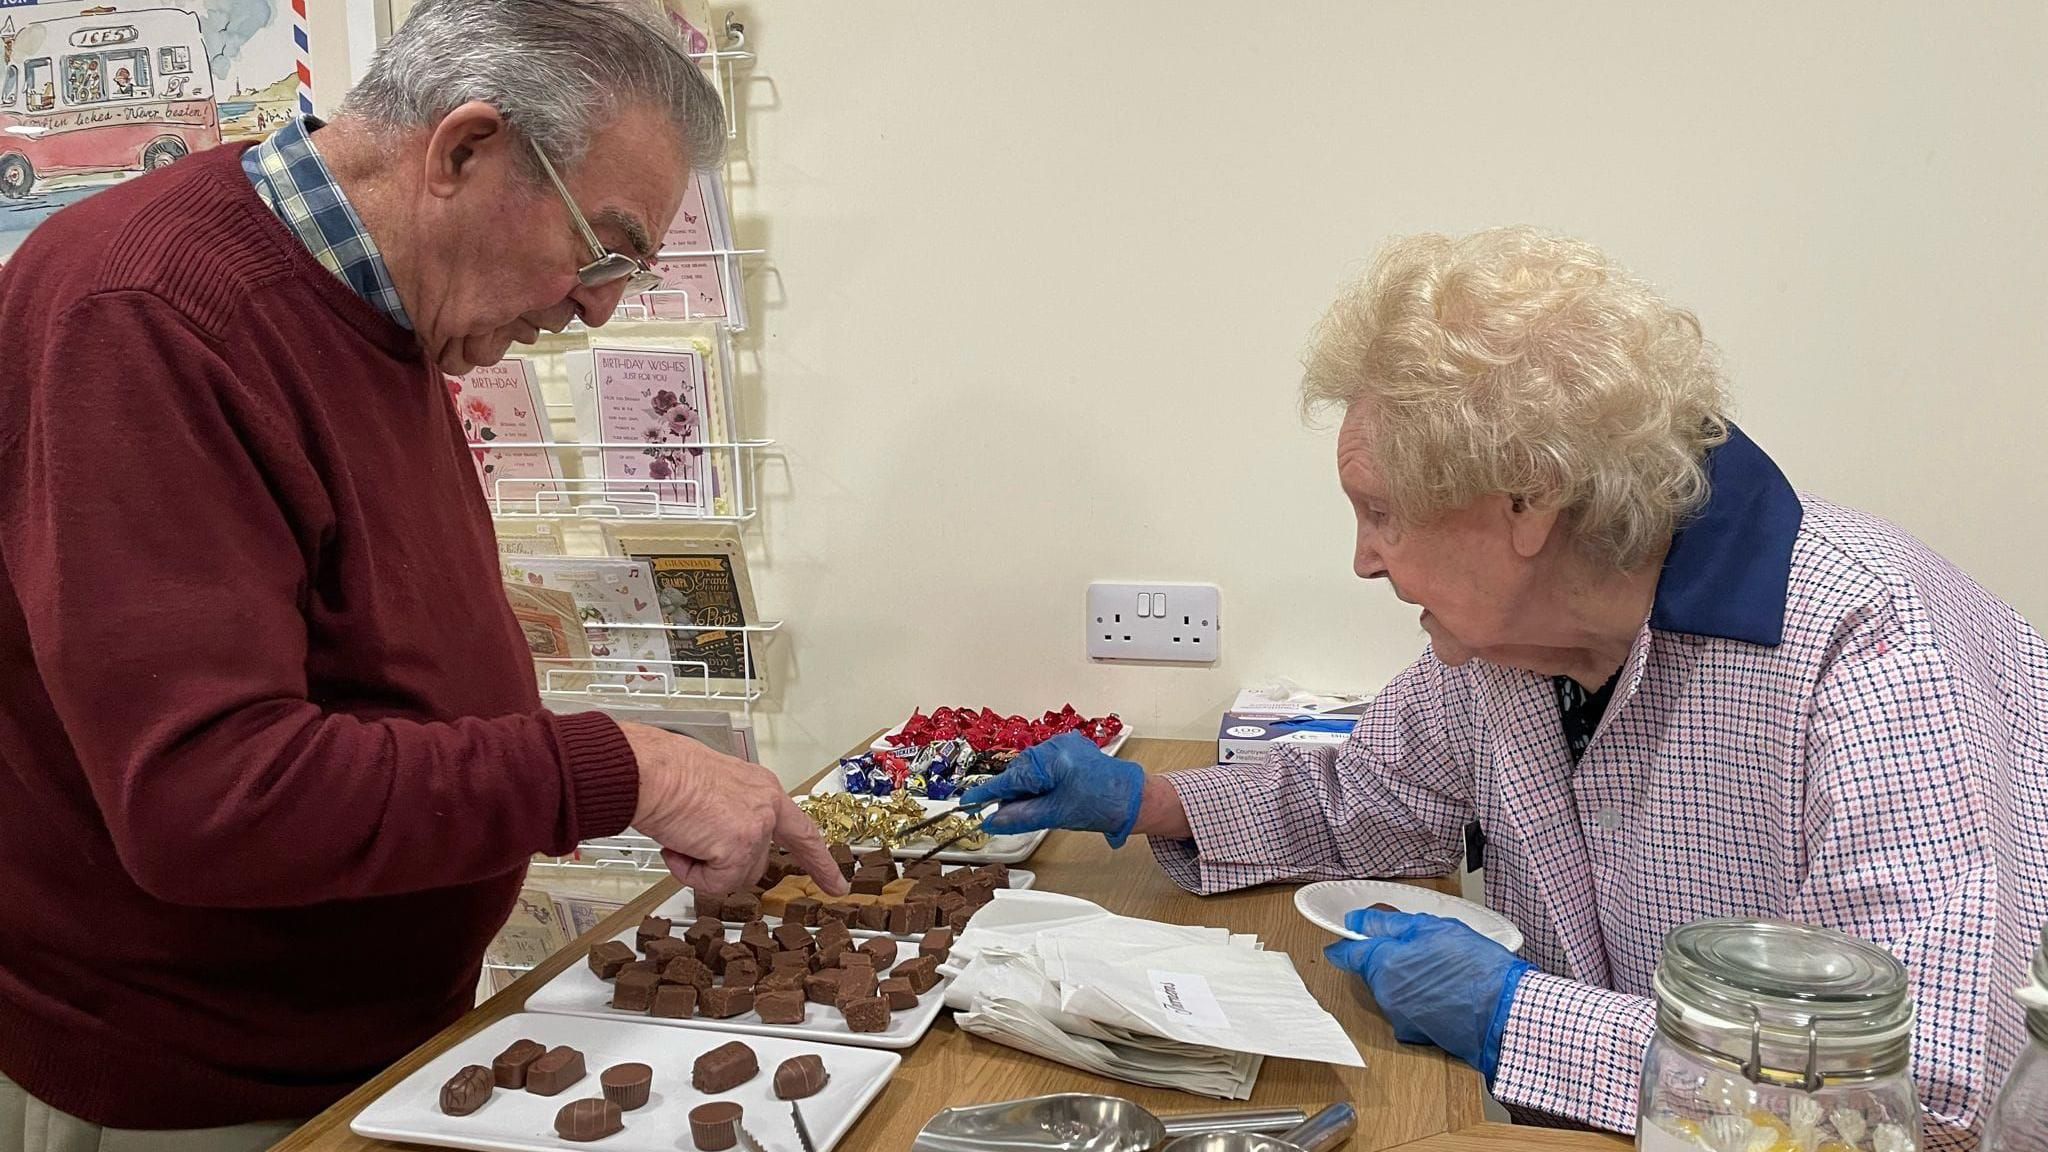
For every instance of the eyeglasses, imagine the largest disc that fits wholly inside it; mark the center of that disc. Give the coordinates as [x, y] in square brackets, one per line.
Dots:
[606, 266]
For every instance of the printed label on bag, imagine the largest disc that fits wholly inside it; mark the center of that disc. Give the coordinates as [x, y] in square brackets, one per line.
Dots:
[1186, 996]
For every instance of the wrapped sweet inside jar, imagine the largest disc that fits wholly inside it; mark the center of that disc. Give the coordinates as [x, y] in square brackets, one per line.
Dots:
[1776, 1037]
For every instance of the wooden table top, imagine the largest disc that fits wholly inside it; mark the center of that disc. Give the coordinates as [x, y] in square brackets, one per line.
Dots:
[1407, 1097]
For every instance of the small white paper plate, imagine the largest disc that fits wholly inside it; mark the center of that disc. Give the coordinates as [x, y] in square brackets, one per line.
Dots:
[682, 907]
[1325, 903]
[579, 992]
[518, 1121]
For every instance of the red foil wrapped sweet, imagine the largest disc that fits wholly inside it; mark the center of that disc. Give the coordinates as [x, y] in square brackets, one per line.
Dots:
[986, 731]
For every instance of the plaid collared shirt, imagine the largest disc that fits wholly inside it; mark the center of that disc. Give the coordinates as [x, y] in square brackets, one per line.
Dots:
[294, 183]
[1881, 769]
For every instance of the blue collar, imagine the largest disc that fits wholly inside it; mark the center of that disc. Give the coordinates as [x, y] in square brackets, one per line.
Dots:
[299, 189]
[1730, 565]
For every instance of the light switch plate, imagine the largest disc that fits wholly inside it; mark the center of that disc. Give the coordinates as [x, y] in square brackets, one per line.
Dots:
[1182, 623]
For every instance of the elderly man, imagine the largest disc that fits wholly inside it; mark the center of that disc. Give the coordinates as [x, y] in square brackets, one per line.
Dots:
[1668, 687]
[271, 756]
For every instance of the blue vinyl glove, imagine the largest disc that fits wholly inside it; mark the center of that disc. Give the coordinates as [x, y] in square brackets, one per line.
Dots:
[1066, 782]
[1436, 980]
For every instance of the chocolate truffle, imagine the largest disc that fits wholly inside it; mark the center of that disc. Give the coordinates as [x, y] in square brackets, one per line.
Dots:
[873, 917]
[510, 1067]
[799, 1076]
[724, 1068]
[792, 938]
[652, 928]
[664, 951]
[587, 1120]
[466, 1091]
[937, 942]
[607, 958]
[822, 987]
[635, 991]
[561, 1067]
[627, 1085]
[866, 1015]
[727, 1002]
[715, 1127]
[674, 1002]
[803, 910]
[883, 951]
[898, 992]
[688, 970]
[780, 1006]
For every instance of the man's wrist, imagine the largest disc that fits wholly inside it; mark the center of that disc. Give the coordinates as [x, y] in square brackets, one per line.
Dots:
[1160, 812]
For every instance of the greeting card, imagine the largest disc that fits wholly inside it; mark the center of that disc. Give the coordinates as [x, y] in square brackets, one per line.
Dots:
[650, 407]
[606, 592]
[502, 404]
[701, 585]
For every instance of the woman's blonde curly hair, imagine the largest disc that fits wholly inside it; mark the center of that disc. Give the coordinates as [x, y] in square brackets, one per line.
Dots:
[1516, 362]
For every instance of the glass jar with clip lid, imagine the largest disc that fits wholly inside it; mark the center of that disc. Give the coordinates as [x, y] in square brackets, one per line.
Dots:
[1778, 1037]
[2019, 1121]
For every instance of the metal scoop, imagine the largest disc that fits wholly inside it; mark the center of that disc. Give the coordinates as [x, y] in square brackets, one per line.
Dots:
[1323, 1131]
[1082, 1122]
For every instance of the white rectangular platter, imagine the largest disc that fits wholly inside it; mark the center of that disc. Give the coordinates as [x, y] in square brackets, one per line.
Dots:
[579, 992]
[518, 1121]
[682, 907]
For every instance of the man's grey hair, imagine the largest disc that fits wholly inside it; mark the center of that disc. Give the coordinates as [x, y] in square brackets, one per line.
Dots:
[558, 70]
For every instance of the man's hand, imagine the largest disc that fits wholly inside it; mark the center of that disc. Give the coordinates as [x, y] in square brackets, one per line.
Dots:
[1436, 980]
[715, 817]
[1066, 782]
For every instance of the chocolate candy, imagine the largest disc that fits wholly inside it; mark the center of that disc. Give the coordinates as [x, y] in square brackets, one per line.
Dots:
[709, 907]
[802, 910]
[822, 987]
[833, 932]
[873, 917]
[607, 958]
[674, 1002]
[792, 938]
[744, 907]
[840, 914]
[727, 1002]
[883, 952]
[898, 992]
[799, 1076]
[783, 978]
[742, 974]
[466, 1091]
[652, 928]
[922, 914]
[937, 942]
[559, 1068]
[627, 1085]
[923, 973]
[899, 919]
[706, 935]
[843, 856]
[855, 958]
[728, 954]
[587, 1120]
[756, 937]
[855, 984]
[724, 1068]
[635, 991]
[866, 1015]
[798, 961]
[1000, 873]
[664, 951]
[715, 1127]
[780, 1006]
[868, 885]
[828, 955]
[510, 1067]
[919, 869]
[641, 966]
[688, 970]
[957, 919]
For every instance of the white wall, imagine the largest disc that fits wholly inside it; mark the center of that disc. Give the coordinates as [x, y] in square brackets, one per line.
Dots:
[1044, 272]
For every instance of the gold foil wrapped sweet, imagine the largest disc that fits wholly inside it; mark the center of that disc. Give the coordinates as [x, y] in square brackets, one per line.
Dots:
[844, 818]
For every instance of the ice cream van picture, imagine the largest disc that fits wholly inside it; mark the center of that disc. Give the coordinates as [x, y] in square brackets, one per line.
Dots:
[100, 95]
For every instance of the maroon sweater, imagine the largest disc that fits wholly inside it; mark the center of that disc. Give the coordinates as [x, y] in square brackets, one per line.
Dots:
[271, 758]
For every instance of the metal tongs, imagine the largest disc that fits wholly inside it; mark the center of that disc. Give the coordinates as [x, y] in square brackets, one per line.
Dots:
[1320, 1133]
[1084, 1122]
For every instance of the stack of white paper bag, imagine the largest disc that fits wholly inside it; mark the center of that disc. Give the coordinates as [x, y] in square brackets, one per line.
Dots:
[1168, 1005]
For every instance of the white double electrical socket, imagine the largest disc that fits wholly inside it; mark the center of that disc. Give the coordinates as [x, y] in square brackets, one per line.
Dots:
[1177, 622]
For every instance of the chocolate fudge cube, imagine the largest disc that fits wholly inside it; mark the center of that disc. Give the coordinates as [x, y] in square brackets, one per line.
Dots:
[607, 958]
[867, 885]
[883, 951]
[833, 931]
[798, 960]
[743, 907]
[792, 938]
[873, 917]
[652, 928]
[822, 987]
[664, 951]
[634, 991]
[899, 919]
[898, 992]
[856, 984]
[709, 907]
[782, 978]
[674, 1002]
[827, 955]
[923, 914]
[742, 974]
[1000, 873]
[957, 919]
[803, 910]
[781, 1006]
[919, 869]
[937, 942]
[706, 935]
[756, 935]
[688, 970]
[843, 856]
[923, 973]
[730, 954]
[855, 958]
[866, 1015]
[726, 1002]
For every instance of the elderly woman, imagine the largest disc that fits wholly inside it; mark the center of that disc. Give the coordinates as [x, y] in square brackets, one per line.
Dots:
[1665, 685]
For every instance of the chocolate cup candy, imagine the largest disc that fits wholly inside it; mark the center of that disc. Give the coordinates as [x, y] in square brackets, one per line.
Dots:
[510, 1067]
[627, 1085]
[587, 1120]
[715, 1126]
[724, 1068]
[549, 1075]
[466, 1091]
